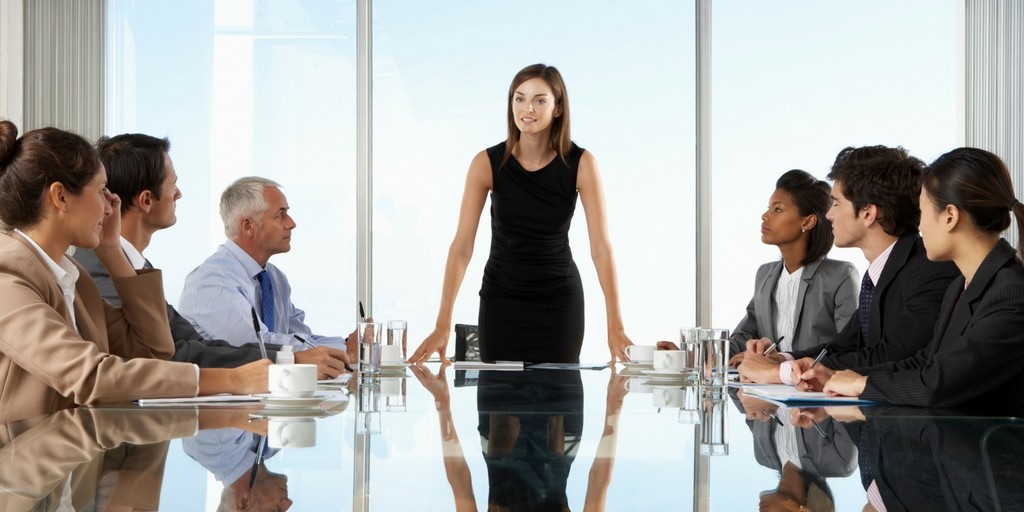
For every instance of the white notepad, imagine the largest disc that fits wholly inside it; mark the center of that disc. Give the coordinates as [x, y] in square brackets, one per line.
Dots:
[200, 400]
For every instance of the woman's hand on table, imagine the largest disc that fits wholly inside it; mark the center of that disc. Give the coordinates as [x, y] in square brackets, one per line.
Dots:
[846, 383]
[437, 341]
[617, 343]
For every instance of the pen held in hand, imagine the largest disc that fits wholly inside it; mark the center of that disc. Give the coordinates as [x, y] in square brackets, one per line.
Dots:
[821, 355]
[310, 344]
[773, 345]
[259, 335]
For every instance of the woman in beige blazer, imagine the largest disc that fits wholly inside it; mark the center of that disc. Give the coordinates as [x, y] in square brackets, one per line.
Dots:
[61, 345]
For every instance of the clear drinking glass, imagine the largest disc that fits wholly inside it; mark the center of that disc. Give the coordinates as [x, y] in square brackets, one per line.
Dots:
[397, 337]
[370, 334]
[714, 352]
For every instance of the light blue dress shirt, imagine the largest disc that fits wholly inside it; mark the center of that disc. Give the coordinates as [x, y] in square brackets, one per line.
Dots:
[220, 294]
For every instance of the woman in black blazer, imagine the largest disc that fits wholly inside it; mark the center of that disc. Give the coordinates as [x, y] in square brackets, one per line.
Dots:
[974, 357]
[826, 290]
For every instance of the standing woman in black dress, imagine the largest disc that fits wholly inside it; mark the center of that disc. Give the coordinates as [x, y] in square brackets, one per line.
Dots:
[531, 300]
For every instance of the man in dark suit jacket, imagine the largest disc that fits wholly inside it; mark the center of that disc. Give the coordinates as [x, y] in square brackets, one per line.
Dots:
[140, 171]
[875, 208]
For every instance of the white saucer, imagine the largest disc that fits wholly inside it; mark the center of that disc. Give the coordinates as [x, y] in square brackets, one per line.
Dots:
[667, 374]
[638, 364]
[287, 402]
[394, 366]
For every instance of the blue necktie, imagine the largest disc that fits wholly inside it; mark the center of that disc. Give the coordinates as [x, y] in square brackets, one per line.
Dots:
[266, 299]
[867, 293]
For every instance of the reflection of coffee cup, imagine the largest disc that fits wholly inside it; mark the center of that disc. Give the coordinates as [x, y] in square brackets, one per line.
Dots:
[291, 432]
[638, 385]
[292, 380]
[640, 353]
[668, 397]
[391, 386]
[669, 360]
[390, 355]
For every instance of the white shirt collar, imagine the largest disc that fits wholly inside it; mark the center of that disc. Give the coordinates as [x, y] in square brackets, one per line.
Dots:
[134, 256]
[875, 267]
[62, 271]
[248, 263]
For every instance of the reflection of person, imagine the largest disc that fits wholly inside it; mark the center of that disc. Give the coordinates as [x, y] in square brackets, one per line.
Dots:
[804, 297]
[941, 460]
[228, 454]
[966, 202]
[531, 424]
[798, 490]
[128, 448]
[140, 171]
[874, 209]
[61, 344]
[779, 438]
[531, 300]
[221, 293]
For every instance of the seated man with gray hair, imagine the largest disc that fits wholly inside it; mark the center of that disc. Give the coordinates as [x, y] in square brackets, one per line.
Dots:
[221, 295]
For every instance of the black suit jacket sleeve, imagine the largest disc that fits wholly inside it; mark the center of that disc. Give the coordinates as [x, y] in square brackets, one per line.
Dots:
[904, 315]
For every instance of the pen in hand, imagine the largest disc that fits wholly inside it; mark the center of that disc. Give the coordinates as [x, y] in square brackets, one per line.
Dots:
[821, 355]
[310, 344]
[259, 335]
[773, 345]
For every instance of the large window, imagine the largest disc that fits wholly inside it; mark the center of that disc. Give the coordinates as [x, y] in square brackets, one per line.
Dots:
[248, 88]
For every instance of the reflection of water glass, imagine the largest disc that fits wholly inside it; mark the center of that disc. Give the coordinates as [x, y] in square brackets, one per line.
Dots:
[393, 389]
[397, 336]
[714, 348]
[714, 431]
[689, 411]
[369, 347]
[369, 396]
[367, 423]
[689, 343]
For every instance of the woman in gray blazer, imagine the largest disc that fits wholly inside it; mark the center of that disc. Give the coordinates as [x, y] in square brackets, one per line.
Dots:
[804, 297]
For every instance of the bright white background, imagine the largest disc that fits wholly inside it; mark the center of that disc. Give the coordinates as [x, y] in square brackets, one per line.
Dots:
[267, 87]
[246, 87]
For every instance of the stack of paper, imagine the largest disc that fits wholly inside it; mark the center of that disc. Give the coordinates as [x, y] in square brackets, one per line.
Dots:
[497, 365]
[789, 394]
[198, 400]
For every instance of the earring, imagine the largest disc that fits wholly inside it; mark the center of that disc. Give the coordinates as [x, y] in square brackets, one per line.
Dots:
[802, 230]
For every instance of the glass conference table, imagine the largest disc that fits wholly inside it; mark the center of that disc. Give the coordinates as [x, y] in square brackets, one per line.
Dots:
[423, 439]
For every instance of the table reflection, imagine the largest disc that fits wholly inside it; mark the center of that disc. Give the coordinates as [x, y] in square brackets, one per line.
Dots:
[81, 459]
[530, 428]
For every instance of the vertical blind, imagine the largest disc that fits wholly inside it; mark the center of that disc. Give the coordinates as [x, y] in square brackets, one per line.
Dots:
[63, 66]
[994, 83]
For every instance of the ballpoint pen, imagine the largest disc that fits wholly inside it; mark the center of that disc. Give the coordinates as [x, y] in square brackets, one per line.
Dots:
[310, 344]
[821, 355]
[259, 336]
[820, 431]
[773, 345]
[362, 313]
[261, 443]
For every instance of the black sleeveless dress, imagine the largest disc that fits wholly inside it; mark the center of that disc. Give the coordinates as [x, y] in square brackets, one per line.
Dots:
[531, 300]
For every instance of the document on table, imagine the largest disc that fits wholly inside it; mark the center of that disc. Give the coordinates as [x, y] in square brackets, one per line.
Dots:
[198, 400]
[789, 394]
[497, 365]
[568, 366]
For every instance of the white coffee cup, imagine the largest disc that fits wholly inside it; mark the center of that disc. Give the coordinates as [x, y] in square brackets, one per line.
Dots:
[292, 380]
[669, 360]
[668, 397]
[640, 353]
[390, 355]
[291, 432]
[638, 385]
